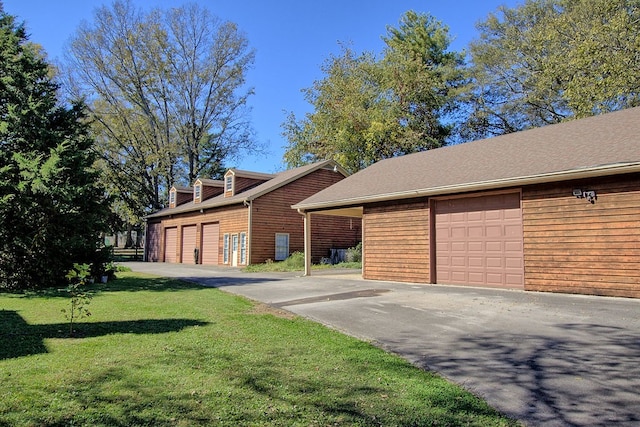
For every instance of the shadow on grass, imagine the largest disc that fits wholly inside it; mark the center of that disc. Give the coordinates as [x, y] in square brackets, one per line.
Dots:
[122, 284]
[18, 338]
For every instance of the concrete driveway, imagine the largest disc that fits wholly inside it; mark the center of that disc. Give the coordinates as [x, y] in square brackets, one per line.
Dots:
[546, 359]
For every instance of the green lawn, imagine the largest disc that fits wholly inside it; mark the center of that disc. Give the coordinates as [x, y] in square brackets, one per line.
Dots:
[160, 352]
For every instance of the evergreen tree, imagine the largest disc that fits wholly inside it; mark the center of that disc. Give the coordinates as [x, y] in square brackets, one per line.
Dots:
[51, 211]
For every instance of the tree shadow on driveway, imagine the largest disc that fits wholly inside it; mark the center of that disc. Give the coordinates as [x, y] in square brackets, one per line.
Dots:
[589, 376]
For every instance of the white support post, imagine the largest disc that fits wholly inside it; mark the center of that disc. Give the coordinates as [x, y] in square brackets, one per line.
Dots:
[307, 244]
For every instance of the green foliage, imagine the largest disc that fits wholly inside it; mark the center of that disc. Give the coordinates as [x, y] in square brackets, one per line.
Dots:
[367, 109]
[547, 61]
[354, 254]
[51, 209]
[167, 91]
[79, 278]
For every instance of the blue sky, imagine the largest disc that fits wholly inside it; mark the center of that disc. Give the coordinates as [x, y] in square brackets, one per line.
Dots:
[292, 38]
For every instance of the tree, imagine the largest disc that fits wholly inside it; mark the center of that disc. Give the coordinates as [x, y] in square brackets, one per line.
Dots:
[549, 61]
[166, 90]
[51, 210]
[366, 109]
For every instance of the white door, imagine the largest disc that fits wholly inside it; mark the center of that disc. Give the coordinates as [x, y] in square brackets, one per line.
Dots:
[234, 250]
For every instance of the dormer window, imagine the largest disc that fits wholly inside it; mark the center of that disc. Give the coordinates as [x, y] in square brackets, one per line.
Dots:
[228, 183]
[197, 192]
[172, 198]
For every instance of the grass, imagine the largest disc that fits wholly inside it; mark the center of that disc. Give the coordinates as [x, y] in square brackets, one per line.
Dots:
[295, 262]
[159, 352]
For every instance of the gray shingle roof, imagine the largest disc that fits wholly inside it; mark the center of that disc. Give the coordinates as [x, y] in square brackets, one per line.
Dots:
[276, 181]
[595, 146]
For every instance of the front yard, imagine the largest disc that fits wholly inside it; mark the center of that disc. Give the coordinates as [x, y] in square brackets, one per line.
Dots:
[166, 353]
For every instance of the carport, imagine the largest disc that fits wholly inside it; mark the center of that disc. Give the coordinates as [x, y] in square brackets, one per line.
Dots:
[351, 212]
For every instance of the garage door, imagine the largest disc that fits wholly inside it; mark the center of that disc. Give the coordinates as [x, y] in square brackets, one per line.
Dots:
[153, 242]
[188, 244]
[479, 241]
[170, 244]
[210, 239]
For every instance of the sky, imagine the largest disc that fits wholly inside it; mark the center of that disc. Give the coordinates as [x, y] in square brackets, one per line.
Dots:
[291, 38]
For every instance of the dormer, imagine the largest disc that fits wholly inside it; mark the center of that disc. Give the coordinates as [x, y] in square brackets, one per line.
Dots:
[236, 181]
[204, 189]
[179, 195]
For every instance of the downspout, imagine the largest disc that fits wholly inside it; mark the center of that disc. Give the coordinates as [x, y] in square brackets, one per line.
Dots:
[249, 205]
[307, 242]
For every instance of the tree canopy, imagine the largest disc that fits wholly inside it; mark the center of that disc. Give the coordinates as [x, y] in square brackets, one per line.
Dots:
[367, 109]
[51, 210]
[547, 61]
[167, 90]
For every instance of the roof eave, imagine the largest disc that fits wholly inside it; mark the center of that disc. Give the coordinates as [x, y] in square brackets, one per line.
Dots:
[615, 169]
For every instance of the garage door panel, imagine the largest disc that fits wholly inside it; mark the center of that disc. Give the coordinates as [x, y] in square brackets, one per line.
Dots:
[515, 263]
[475, 246]
[479, 241]
[188, 244]
[210, 243]
[170, 244]
[476, 262]
[495, 262]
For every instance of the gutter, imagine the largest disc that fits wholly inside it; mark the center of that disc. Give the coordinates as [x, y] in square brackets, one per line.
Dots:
[617, 169]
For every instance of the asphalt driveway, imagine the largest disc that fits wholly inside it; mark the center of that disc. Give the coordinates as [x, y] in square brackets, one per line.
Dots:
[546, 359]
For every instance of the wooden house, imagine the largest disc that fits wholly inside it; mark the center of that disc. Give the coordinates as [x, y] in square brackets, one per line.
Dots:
[551, 209]
[246, 218]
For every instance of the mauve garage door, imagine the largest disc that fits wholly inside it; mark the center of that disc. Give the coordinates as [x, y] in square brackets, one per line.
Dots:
[170, 244]
[210, 239]
[479, 241]
[188, 244]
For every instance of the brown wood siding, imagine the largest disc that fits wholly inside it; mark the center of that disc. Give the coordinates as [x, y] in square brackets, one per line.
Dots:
[333, 232]
[573, 246]
[272, 214]
[396, 241]
[240, 183]
[183, 197]
[209, 191]
[232, 219]
[154, 242]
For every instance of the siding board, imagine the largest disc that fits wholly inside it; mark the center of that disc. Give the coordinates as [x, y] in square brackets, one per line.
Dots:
[574, 246]
[396, 242]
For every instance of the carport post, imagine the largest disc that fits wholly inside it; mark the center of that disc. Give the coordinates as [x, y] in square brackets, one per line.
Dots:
[307, 243]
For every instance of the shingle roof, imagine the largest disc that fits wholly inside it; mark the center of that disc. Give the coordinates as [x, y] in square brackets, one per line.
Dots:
[276, 181]
[595, 146]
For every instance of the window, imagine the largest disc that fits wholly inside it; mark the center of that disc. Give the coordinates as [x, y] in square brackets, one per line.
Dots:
[225, 249]
[197, 192]
[282, 246]
[243, 248]
[172, 197]
[228, 183]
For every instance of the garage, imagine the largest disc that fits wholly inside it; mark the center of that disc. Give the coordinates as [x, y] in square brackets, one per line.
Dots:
[210, 239]
[188, 244]
[479, 241]
[170, 244]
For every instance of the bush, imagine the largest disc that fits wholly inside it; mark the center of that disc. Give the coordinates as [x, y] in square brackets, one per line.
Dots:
[295, 261]
[354, 254]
